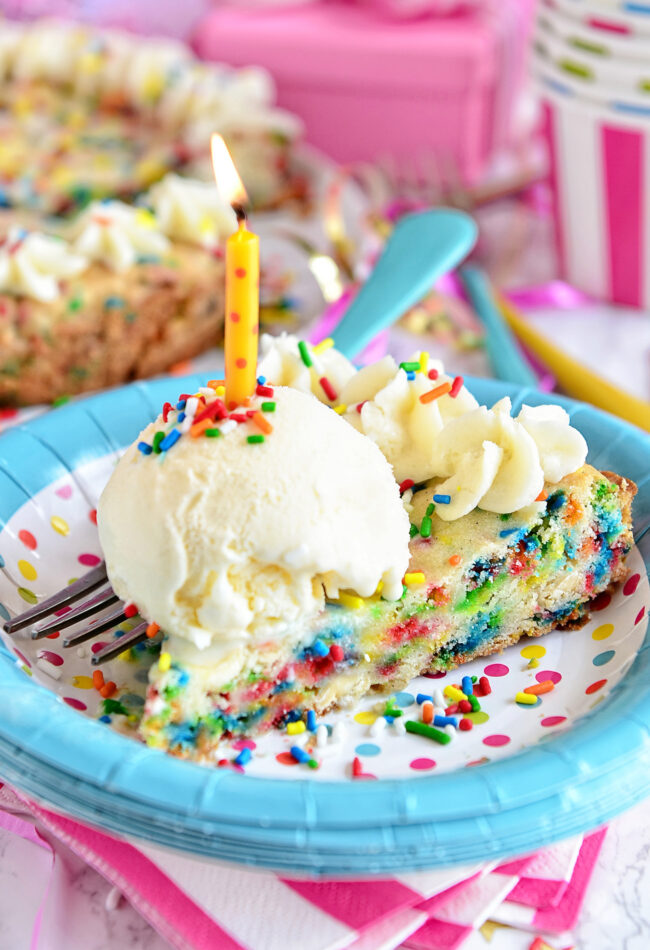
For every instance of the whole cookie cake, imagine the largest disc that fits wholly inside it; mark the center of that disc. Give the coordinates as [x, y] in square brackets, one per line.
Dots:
[111, 228]
[87, 114]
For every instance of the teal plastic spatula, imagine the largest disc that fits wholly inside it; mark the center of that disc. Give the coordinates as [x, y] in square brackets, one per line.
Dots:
[422, 247]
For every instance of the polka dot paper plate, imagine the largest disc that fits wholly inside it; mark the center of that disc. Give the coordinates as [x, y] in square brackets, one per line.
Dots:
[523, 775]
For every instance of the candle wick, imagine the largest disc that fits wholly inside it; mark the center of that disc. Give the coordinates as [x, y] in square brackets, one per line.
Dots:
[240, 212]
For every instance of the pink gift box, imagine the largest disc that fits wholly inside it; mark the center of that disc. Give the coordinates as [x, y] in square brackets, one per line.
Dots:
[368, 86]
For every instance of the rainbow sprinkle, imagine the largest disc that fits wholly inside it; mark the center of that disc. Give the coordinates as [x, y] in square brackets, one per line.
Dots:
[199, 416]
[244, 757]
[304, 354]
[170, 440]
[429, 732]
[456, 386]
[328, 389]
[436, 392]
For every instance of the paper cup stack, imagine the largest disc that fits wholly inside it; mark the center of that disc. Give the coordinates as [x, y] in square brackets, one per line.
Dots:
[591, 61]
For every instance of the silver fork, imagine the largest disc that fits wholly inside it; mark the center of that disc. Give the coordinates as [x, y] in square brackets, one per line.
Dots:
[56, 613]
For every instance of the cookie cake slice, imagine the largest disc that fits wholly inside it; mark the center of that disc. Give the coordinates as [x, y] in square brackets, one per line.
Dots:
[294, 565]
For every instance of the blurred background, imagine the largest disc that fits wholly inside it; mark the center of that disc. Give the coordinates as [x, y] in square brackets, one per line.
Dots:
[530, 114]
[342, 116]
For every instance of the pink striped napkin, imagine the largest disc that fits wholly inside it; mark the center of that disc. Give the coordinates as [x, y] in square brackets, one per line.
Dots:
[197, 905]
[552, 905]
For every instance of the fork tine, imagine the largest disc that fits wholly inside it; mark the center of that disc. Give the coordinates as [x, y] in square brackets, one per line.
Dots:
[112, 620]
[93, 606]
[69, 595]
[111, 650]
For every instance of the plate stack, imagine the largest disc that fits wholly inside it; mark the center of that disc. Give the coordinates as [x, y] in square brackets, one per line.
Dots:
[576, 778]
[591, 60]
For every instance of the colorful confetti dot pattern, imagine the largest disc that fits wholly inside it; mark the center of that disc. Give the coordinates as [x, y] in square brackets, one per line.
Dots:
[47, 544]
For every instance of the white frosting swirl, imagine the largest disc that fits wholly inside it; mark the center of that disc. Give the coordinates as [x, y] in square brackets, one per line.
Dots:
[49, 50]
[160, 74]
[392, 415]
[499, 463]
[219, 99]
[204, 91]
[192, 211]
[233, 117]
[116, 235]
[102, 63]
[486, 458]
[152, 67]
[180, 101]
[562, 449]
[491, 462]
[282, 364]
[248, 98]
[32, 264]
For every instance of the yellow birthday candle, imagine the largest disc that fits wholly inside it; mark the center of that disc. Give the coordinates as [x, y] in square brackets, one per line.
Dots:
[242, 285]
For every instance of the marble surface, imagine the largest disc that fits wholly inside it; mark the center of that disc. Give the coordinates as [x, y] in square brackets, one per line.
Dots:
[79, 911]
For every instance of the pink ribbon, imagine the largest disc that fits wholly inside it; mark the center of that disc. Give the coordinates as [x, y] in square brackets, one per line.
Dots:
[553, 294]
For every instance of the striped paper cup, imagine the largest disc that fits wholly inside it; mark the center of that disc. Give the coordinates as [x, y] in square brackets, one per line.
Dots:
[564, 84]
[610, 16]
[604, 77]
[600, 175]
[580, 35]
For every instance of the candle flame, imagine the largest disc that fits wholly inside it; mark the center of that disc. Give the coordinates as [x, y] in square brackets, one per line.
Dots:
[229, 183]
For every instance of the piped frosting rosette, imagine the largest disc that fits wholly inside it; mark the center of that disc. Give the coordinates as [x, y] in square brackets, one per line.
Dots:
[432, 430]
[192, 211]
[384, 404]
[158, 76]
[115, 235]
[287, 361]
[490, 460]
[32, 264]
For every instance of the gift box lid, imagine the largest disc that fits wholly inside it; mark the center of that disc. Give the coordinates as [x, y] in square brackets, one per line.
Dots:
[352, 47]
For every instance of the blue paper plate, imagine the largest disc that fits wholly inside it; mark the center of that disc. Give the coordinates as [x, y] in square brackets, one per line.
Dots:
[571, 782]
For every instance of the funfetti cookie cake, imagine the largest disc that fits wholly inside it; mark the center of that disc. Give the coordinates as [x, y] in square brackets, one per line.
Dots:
[87, 114]
[342, 532]
[111, 229]
[129, 292]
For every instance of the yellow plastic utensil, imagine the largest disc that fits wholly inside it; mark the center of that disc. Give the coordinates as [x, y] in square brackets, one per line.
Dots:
[575, 378]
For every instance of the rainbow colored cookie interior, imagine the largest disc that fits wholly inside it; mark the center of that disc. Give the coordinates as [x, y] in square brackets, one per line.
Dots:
[474, 586]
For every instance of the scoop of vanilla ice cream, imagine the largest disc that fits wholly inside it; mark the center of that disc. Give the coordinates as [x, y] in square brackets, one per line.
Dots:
[228, 545]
